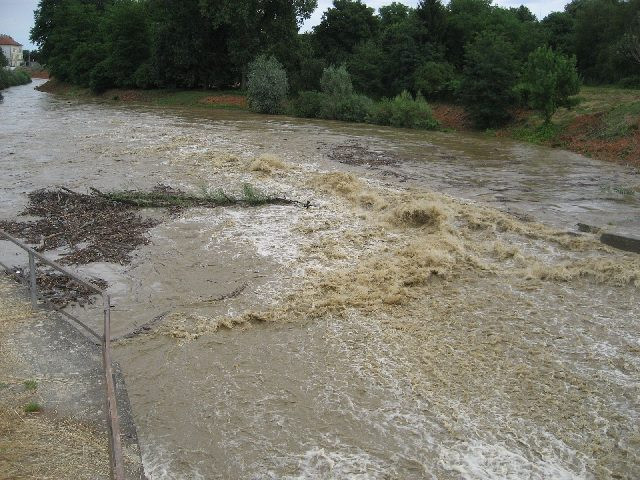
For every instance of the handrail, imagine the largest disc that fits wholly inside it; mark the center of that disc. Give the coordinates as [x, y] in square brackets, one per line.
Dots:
[116, 461]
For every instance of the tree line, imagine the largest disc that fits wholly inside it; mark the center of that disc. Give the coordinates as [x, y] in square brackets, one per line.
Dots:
[467, 50]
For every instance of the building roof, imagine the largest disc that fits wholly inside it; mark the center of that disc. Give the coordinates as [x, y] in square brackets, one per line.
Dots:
[7, 40]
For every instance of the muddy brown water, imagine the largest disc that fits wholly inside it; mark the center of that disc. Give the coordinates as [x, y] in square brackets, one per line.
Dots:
[483, 376]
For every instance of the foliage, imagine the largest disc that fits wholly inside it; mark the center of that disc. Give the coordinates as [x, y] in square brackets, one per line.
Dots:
[343, 27]
[489, 77]
[12, 78]
[267, 85]
[32, 407]
[307, 104]
[434, 47]
[435, 79]
[3, 60]
[350, 108]
[404, 111]
[336, 81]
[549, 80]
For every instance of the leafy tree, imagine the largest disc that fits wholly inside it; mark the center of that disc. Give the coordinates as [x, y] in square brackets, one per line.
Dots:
[558, 28]
[489, 77]
[127, 39]
[466, 18]
[434, 79]
[267, 85]
[343, 27]
[393, 13]
[631, 41]
[3, 60]
[433, 17]
[336, 81]
[550, 79]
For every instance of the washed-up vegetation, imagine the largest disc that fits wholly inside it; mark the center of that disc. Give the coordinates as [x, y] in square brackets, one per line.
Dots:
[105, 227]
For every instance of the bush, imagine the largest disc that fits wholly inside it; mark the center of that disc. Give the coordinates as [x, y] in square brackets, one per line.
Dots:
[489, 77]
[549, 80]
[144, 77]
[404, 111]
[11, 78]
[100, 78]
[630, 82]
[435, 79]
[338, 102]
[350, 108]
[307, 104]
[266, 85]
[336, 81]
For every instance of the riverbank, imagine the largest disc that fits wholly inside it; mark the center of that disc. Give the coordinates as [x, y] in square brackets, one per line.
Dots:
[605, 125]
[51, 398]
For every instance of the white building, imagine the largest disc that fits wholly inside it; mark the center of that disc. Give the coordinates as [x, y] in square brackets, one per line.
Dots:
[12, 50]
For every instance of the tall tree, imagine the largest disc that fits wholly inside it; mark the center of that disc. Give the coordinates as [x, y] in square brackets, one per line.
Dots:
[490, 74]
[343, 27]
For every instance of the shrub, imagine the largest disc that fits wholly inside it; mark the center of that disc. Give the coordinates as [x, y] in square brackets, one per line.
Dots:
[336, 81]
[435, 79]
[338, 101]
[144, 77]
[549, 80]
[404, 111]
[350, 108]
[101, 78]
[630, 82]
[307, 104]
[11, 78]
[266, 85]
[489, 77]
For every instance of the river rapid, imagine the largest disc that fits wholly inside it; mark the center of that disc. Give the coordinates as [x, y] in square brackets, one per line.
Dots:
[433, 314]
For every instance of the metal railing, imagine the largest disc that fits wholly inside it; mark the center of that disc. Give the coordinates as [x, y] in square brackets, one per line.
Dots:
[113, 423]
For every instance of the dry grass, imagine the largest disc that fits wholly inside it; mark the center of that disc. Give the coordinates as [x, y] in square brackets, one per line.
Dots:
[38, 444]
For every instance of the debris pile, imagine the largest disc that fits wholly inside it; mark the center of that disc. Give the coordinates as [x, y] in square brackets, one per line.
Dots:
[88, 228]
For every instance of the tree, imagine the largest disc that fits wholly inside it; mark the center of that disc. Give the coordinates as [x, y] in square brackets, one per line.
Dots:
[3, 60]
[489, 77]
[343, 27]
[550, 79]
[631, 41]
[559, 29]
[266, 85]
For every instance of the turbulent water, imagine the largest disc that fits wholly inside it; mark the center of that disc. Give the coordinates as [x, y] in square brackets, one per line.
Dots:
[427, 317]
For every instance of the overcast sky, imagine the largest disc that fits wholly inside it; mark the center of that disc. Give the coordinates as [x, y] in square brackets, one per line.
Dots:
[16, 16]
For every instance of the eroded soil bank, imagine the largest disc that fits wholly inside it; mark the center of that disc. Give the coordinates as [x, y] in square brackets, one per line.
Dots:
[428, 316]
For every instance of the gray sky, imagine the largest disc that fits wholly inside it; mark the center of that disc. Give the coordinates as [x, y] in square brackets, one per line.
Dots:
[16, 16]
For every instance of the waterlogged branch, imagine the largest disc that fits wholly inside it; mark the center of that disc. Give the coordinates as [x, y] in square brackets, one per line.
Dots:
[166, 197]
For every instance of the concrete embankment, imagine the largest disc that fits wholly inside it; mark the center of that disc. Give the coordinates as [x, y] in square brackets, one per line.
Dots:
[52, 422]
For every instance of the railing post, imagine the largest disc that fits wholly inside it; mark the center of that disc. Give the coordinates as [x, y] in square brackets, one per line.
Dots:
[33, 287]
[113, 422]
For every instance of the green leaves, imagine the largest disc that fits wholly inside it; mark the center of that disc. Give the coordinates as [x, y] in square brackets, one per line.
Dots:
[549, 80]
[267, 85]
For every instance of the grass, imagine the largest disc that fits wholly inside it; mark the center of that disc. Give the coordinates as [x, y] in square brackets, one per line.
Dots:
[32, 407]
[619, 189]
[535, 132]
[30, 384]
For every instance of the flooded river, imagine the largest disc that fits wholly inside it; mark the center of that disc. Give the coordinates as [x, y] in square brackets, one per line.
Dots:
[428, 316]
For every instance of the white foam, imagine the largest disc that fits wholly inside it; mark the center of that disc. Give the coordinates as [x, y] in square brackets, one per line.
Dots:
[477, 460]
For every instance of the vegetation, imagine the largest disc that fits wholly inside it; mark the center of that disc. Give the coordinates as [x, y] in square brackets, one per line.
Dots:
[163, 198]
[30, 384]
[11, 78]
[550, 79]
[267, 85]
[491, 59]
[32, 407]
